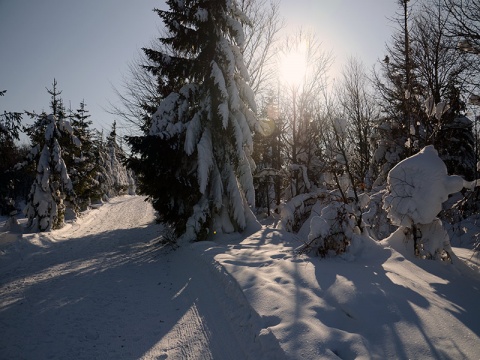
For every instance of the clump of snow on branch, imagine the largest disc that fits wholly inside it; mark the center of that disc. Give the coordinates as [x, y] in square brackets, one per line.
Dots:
[205, 159]
[297, 210]
[436, 110]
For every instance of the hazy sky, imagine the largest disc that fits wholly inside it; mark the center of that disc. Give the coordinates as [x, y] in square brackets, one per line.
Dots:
[87, 44]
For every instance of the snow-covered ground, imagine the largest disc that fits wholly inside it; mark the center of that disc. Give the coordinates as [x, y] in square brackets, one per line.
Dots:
[103, 288]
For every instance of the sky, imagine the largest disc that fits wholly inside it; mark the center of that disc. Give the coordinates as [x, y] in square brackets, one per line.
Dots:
[87, 45]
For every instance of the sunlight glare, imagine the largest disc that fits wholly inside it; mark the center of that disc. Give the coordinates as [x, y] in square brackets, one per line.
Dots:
[293, 66]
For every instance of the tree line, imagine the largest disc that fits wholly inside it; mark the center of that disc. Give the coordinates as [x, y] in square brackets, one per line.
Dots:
[67, 167]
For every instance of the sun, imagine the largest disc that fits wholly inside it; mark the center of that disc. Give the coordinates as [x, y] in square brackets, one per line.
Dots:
[293, 66]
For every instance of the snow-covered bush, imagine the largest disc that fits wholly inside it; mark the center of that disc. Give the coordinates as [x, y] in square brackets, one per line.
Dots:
[296, 211]
[333, 231]
[375, 217]
[416, 189]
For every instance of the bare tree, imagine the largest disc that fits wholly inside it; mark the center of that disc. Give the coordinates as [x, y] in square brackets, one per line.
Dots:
[464, 28]
[299, 102]
[399, 99]
[261, 40]
[358, 107]
[140, 92]
[466, 24]
[443, 74]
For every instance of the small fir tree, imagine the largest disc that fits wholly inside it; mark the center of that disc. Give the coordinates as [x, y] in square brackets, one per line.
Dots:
[85, 165]
[52, 186]
[114, 165]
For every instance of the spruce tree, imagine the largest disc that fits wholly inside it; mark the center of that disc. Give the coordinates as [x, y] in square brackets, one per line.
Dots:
[199, 146]
[85, 166]
[9, 153]
[102, 176]
[45, 208]
[52, 188]
[117, 172]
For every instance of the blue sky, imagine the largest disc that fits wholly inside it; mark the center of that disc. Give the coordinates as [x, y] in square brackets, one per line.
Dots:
[87, 45]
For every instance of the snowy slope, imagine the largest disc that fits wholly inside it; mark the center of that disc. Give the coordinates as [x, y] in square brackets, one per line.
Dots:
[382, 305]
[102, 288]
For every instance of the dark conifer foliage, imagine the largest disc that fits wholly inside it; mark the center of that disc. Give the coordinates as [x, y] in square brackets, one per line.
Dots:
[10, 154]
[174, 194]
[85, 167]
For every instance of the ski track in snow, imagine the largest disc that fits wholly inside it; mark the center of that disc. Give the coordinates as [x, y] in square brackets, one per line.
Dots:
[102, 288]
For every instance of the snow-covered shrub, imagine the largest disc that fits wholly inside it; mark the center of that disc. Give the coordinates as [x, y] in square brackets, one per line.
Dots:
[435, 242]
[333, 231]
[416, 189]
[296, 211]
[375, 217]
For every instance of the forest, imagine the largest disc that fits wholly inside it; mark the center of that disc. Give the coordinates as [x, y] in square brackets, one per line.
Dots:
[257, 208]
[231, 122]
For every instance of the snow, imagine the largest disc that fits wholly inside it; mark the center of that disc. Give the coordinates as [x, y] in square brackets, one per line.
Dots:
[103, 287]
[192, 134]
[219, 80]
[205, 160]
[418, 186]
[165, 114]
[201, 15]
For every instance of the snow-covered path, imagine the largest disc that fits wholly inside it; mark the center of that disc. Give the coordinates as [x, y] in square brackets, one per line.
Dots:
[102, 288]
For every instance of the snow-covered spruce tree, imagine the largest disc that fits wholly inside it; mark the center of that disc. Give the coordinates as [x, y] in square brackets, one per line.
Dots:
[85, 165]
[102, 176]
[115, 178]
[115, 156]
[207, 120]
[45, 207]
